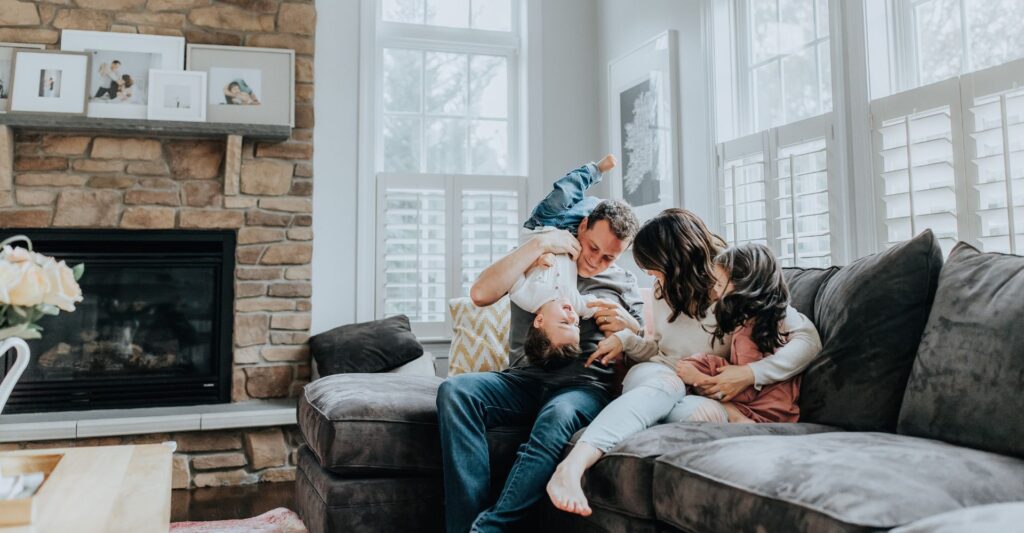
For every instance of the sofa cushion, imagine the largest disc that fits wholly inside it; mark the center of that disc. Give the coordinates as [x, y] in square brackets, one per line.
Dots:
[479, 336]
[804, 284]
[621, 480]
[376, 346]
[374, 424]
[970, 364]
[870, 315]
[995, 518]
[329, 502]
[827, 482]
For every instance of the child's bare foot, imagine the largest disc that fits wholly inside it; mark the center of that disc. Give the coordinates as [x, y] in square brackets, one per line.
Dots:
[566, 492]
[606, 163]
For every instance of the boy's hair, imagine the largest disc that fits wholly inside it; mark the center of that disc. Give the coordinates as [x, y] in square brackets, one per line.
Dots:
[620, 217]
[541, 352]
[759, 293]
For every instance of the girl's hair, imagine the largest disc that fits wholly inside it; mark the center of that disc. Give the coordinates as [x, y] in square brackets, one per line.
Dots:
[128, 82]
[678, 244]
[759, 293]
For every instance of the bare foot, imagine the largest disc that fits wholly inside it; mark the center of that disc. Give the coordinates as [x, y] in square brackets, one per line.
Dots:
[566, 493]
[606, 163]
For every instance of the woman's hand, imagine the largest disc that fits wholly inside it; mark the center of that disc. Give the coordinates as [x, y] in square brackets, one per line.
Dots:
[730, 381]
[608, 351]
[612, 318]
[689, 373]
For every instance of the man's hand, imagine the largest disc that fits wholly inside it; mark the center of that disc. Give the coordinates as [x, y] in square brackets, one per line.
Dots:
[730, 381]
[559, 242]
[612, 318]
[608, 351]
[544, 261]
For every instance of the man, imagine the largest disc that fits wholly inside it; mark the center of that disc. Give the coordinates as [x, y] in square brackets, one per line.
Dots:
[557, 399]
[108, 80]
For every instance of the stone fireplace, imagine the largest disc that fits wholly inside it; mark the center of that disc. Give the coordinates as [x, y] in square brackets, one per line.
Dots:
[137, 183]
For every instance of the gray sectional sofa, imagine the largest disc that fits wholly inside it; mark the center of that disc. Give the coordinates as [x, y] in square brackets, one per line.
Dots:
[912, 418]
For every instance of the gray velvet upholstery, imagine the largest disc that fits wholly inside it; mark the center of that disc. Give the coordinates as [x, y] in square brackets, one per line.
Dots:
[804, 284]
[996, 518]
[376, 346]
[827, 482]
[965, 387]
[327, 502]
[870, 315]
[621, 481]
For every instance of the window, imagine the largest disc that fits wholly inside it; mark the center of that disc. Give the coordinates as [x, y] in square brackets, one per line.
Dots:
[940, 39]
[804, 237]
[449, 202]
[779, 52]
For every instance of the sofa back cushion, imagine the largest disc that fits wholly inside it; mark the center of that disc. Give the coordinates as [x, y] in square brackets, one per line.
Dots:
[870, 315]
[966, 384]
[479, 336]
[804, 284]
[376, 346]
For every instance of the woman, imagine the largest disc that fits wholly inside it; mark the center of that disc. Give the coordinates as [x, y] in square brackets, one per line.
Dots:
[678, 250]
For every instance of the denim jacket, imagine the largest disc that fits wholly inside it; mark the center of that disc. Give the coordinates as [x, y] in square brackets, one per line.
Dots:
[565, 206]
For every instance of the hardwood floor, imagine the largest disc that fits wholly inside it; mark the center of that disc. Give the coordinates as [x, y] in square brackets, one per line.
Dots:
[226, 503]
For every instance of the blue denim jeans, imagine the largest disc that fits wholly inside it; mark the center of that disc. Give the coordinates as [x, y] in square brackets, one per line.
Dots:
[469, 404]
[566, 205]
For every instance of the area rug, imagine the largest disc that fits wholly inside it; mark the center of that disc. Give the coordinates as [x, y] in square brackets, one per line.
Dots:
[279, 520]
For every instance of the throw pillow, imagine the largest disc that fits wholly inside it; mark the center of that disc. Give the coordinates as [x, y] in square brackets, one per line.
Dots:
[376, 346]
[969, 366]
[804, 284]
[479, 336]
[870, 315]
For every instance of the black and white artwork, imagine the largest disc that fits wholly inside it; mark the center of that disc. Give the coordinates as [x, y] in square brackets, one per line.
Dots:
[641, 175]
[642, 121]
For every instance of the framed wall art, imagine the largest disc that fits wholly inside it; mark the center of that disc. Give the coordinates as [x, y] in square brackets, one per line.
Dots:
[48, 81]
[177, 95]
[6, 68]
[246, 85]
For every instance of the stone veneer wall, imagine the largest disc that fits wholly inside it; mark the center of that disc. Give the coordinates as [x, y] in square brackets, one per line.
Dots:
[85, 181]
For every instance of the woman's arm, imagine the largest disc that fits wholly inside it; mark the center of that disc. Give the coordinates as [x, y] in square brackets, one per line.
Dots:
[638, 348]
[799, 352]
[496, 280]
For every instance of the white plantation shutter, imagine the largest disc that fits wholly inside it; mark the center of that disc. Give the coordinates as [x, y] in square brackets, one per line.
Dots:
[490, 229]
[743, 176]
[802, 193]
[438, 233]
[993, 101]
[918, 164]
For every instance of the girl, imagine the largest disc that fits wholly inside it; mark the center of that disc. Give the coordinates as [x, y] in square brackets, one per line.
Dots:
[678, 250]
[752, 304]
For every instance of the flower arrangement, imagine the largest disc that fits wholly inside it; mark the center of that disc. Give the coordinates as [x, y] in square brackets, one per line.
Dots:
[33, 285]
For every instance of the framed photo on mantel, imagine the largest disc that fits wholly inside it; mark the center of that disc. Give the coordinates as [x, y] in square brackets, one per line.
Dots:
[7, 69]
[246, 85]
[48, 81]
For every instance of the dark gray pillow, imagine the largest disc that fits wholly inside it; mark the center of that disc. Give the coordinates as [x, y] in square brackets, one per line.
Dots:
[966, 383]
[804, 284]
[870, 315]
[376, 346]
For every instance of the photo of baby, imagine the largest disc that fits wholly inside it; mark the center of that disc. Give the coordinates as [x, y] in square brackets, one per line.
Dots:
[49, 83]
[120, 77]
[235, 86]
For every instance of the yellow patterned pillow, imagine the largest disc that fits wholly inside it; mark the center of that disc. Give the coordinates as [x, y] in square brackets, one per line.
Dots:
[479, 336]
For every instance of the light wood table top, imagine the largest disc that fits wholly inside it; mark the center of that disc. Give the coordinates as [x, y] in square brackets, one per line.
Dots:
[103, 488]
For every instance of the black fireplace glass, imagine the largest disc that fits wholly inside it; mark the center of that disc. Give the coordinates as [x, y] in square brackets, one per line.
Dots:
[153, 329]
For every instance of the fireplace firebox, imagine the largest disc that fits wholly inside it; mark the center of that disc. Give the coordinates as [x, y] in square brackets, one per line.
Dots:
[154, 328]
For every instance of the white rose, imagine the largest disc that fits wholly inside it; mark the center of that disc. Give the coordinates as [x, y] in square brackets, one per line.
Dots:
[22, 284]
[18, 255]
[62, 289]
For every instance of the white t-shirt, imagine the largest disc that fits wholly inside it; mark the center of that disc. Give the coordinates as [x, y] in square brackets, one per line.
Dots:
[541, 285]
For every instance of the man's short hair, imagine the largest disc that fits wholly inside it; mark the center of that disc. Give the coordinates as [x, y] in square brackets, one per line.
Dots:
[620, 217]
[115, 62]
[539, 350]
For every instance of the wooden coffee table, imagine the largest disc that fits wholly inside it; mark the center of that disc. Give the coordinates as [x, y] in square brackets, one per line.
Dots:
[103, 488]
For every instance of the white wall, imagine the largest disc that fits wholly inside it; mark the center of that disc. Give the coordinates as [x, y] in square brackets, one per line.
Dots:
[562, 132]
[335, 144]
[622, 26]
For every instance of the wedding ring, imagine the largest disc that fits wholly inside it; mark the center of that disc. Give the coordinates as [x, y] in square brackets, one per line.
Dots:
[720, 395]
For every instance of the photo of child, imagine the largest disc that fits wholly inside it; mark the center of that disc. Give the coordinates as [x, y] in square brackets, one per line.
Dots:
[120, 77]
[49, 83]
[235, 86]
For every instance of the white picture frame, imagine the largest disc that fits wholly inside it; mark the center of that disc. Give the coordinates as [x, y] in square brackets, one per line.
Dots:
[177, 95]
[7, 71]
[275, 71]
[110, 94]
[643, 103]
[48, 81]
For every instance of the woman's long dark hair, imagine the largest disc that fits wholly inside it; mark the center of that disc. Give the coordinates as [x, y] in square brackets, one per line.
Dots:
[678, 244]
[759, 293]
